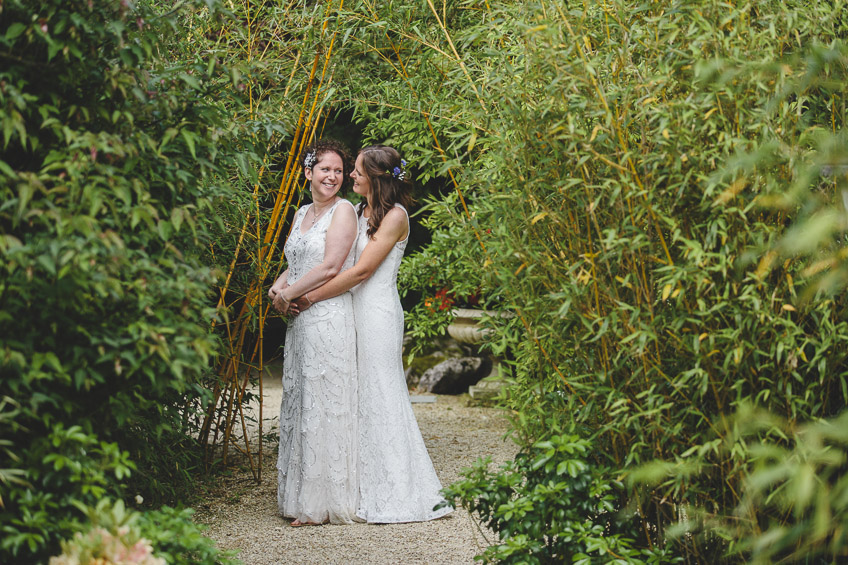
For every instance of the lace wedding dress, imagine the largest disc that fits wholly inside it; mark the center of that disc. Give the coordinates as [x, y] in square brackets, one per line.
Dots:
[397, 482]
[317, 462]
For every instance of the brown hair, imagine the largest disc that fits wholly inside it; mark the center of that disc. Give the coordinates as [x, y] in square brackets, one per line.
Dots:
[329, 146]
[379, 163]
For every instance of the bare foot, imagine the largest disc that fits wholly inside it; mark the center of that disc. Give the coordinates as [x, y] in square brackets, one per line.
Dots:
[297, 523]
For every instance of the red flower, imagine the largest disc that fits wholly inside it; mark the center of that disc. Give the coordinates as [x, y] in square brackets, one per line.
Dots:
[445, 299]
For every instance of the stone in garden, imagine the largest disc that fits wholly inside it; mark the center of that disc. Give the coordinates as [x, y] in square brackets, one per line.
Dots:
[486, 391]
[419, 366]
[454, 376]
[422, 398]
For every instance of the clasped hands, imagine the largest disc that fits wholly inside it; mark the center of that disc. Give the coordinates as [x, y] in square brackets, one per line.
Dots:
[284, 303]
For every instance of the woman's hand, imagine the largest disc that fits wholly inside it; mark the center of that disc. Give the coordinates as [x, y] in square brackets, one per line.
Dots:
[299, 305]
[275, 294]
[281, 301]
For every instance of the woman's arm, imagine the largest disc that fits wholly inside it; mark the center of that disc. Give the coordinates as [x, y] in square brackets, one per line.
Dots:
[340, 237]
[279, 285]
[393, 228]
[282, 281]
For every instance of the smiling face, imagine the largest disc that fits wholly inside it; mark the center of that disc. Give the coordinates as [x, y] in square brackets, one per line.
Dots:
[326, 176]
[361, 184]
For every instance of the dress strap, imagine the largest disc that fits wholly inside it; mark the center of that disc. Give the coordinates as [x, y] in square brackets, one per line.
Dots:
[332, 209]
[408, 230]
[299, 215]
[336, 205]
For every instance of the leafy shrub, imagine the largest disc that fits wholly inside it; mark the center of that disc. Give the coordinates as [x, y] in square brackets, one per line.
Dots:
[178, 540]
[793, 501]
[116, 535]
[445, 272]
[552, 504]
[794, 505]
[112, 165]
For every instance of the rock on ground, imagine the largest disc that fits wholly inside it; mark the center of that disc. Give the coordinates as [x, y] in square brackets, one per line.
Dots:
[455, 375]
[243, 515]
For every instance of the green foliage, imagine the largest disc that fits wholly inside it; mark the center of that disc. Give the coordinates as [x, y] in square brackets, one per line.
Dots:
[113, 162]
[793, 504]
[395, 81]
[177, 539]
[659, 189]
[115, 534]
[795, 499]
[57, 471]
[446, 272]
[551, 505]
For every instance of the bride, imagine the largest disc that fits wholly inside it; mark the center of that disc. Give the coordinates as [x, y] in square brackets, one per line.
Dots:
[317, 463]
[397, 482]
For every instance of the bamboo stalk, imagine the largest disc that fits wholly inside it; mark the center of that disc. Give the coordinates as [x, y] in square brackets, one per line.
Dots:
[442, 153]
[227, 409]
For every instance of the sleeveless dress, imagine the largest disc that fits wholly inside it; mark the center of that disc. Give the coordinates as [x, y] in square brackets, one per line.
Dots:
[317, 462]
[397, 482]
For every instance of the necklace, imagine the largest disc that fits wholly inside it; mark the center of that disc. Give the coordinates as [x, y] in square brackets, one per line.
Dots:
[316, 215]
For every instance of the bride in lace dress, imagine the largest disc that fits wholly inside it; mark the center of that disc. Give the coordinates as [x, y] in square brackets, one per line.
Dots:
[397, 482]
[317, 462]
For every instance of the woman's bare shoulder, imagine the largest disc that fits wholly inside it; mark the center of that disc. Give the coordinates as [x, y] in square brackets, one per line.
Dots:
[396, 215]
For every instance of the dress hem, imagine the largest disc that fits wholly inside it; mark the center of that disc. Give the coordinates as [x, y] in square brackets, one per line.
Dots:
[405, 519]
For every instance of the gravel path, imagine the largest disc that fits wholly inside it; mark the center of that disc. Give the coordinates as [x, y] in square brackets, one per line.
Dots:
[243, 515]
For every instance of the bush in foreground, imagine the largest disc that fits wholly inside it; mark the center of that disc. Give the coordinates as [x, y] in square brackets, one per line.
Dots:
[110, 168]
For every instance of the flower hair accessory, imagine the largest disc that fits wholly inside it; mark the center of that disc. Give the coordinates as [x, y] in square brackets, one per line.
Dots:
[398, 172]
[309, 160]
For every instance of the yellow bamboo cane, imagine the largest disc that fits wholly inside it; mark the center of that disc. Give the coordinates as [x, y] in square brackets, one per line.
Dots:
[438, 147]
[230, 390]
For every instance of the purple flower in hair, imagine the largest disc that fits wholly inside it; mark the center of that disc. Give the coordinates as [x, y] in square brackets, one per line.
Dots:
[398, 172]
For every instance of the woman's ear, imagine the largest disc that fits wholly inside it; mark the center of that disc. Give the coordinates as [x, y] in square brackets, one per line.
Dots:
[308, 172]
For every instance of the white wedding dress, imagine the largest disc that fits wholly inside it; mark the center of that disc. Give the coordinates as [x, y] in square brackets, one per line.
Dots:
[397, 482]
[317, 463]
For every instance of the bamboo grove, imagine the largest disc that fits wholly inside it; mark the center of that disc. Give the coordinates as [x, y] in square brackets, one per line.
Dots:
[657, 188]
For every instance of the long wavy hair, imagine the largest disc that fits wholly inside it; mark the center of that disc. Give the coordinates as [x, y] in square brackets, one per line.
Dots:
[379, 163]
[327, 145]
